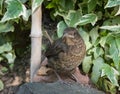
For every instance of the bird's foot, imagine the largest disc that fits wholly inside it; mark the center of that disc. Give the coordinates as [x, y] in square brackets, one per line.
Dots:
[61, 80]
[82, 79]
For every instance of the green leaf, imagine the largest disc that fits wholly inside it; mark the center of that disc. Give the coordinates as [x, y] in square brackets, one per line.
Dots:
[103, 41]
[1, 58]
[91, 5]
[118, 45]
[97, 51]
[111, 28]
[1, 6]
[10, 57]
[36, 4]
[28, 13]
[88, 18]
[85, 37]
[6, 27]
[51, 5]
[4, 70]
[23, 1]
[1, 85]
[111, 73]
[5, 47]
[57, 13]
[87, 63]
[118, 12]
[94, 34]
[60, 28]
[14, 10]
[112, 22]
[73, 18]
[2, 40]
[108, 86]
[66, 5]
[96, 70]
[112, 3]
[113, 50]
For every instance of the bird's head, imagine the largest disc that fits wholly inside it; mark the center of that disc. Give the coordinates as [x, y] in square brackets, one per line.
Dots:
[69, 35]
[70, 32]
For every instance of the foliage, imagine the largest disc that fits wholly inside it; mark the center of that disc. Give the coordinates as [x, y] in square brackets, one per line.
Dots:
[96, 20]
[11, 25]
[99, 25]
[1, 85]
[14, 30]
[10, 14]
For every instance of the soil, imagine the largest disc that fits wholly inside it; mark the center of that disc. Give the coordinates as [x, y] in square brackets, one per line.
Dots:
[13, 79]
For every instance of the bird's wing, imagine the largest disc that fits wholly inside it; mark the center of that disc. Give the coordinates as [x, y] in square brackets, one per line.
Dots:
[55, 48]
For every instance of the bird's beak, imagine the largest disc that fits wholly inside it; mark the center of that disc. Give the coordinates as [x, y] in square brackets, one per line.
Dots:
[68, 35]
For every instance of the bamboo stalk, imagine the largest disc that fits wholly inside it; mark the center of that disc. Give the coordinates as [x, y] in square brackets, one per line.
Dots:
[36, 42]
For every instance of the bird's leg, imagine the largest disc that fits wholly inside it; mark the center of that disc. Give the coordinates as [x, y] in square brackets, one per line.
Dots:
[74, 77]
[79, 77]
[60, 79]
[58, 76]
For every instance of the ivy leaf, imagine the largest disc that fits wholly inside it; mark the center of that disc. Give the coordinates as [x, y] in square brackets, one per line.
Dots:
[114, 54]
[91, 5]
[66, 5]
[1, 85]
[87, 63]
[103, 41]
[1, 58]
[97, 51]
[1, 6]
[36, 4]
[14, 10]
[111, 73]
[112, 22]
[85, 37]
[111, 28]
[23, 1]
[118, 44]
[4, 70]
[51, 5]
[118, 12]
[28, 13]
[88, 18]
[94, 34]
[75, 18]
[60, 28]
[96, 70]
[113, 50]
[112, 3]
[6, 27]
[5, 47]
[72, 18]
[9, 56]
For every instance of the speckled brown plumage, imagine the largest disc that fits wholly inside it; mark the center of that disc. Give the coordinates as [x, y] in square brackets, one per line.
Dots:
[66, 53]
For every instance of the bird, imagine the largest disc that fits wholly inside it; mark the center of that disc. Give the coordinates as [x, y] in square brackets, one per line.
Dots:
[66, 53]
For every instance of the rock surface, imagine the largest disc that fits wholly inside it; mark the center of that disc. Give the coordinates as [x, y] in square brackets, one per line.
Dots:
[56, 88]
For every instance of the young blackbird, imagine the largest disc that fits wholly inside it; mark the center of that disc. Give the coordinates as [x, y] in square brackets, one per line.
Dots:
[66, 54]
